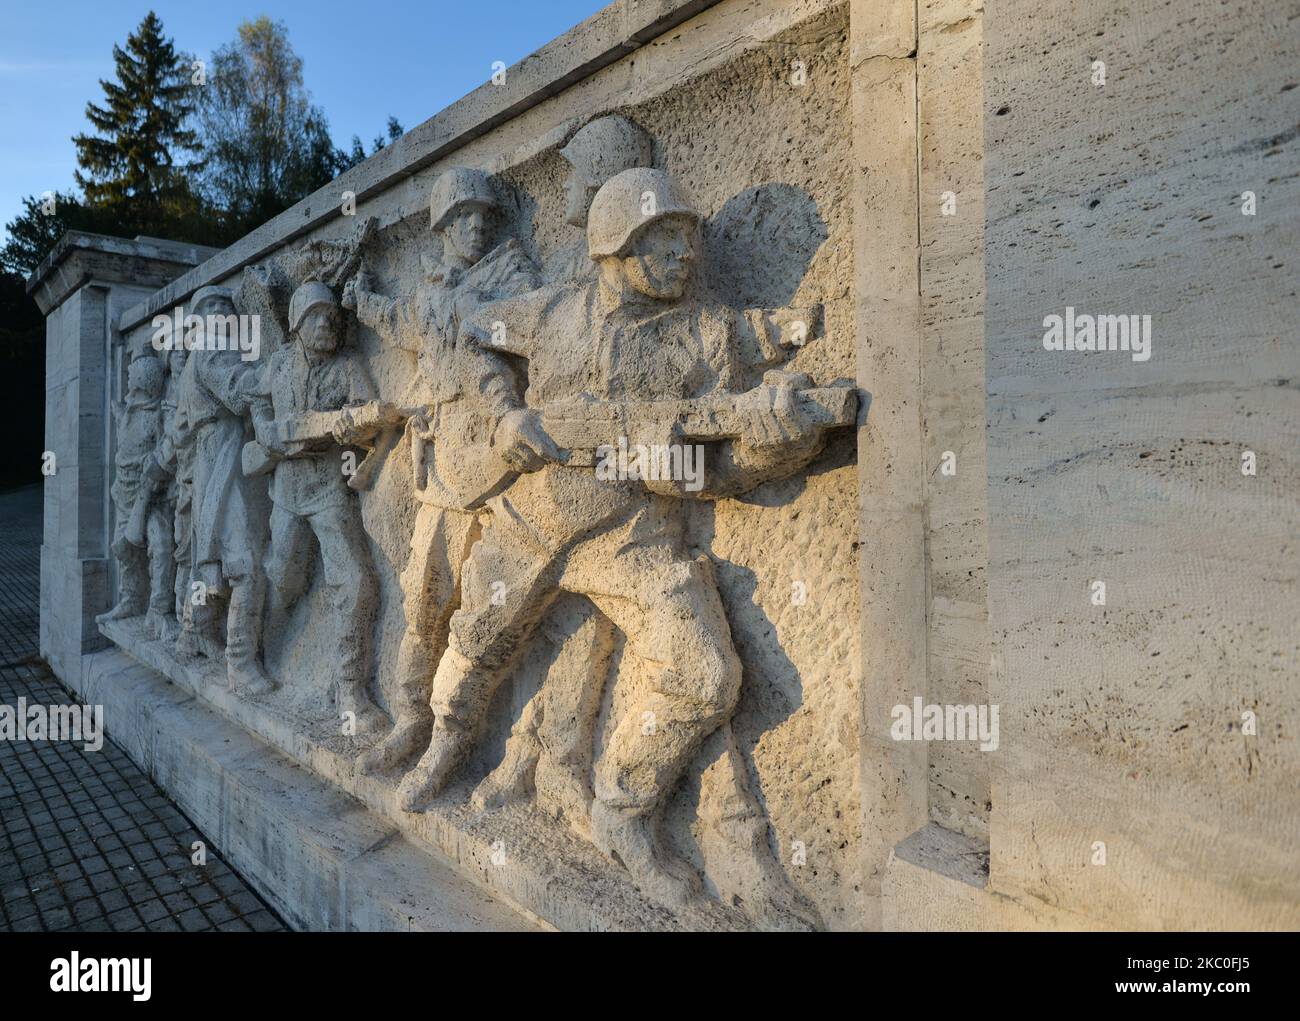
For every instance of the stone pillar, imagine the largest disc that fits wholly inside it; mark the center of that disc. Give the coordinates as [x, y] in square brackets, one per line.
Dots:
[890, 450]
[82, 287]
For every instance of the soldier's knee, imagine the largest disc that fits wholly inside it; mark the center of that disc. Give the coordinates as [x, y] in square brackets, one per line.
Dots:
[352, 585]
[709, 681]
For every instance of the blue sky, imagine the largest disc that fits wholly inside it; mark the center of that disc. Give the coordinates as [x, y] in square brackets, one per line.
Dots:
[361, 61]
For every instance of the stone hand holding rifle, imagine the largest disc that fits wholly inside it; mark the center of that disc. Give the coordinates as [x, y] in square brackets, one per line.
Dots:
[373, 425]
[779, 420]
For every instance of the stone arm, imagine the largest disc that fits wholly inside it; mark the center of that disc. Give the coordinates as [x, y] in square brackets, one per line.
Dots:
[512, 325]
[234, 382]
[395, 320]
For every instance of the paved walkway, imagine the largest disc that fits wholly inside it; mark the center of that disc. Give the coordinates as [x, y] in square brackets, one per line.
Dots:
[87, 842]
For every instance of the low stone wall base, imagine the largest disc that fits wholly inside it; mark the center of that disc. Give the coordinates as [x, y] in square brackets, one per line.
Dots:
[318, 856]
[515, 855]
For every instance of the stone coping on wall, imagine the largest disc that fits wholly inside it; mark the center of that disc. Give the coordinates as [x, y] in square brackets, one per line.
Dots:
[79, 256]
[606, 37]
[516, 853]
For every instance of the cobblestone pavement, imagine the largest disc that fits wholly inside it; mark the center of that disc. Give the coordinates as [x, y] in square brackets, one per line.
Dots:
[87, 841]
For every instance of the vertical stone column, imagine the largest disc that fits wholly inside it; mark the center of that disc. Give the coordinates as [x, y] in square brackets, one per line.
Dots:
[82, 287]
[890, 451]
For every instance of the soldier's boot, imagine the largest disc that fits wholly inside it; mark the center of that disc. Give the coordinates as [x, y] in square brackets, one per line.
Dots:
[563, 793]
[162, 569]
[358, 710]
[133, 583]
[429, 776]
[627, 837]
[735, 835]
[461, 690]
[572, 691]
[244, 675]
[513, 777]
[409, 735]
[166, 628]
[127, 606]
[759, 881]
[414, 722]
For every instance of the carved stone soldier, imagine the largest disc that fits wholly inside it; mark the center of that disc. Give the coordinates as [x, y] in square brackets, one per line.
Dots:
[171, 469]
[599, 150]
[142, 544]
[549, 748]
[228, 515]
[472, 389]
[310, 490]
[631, 334]
[549, 751]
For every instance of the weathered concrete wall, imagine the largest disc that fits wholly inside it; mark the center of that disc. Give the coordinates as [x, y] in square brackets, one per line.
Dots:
[938, 180]
[317, 855]
[950, 97]
[1123, 723]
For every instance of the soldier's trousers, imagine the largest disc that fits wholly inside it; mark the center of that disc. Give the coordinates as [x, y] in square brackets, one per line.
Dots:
[440, 543]
[349, 577]
[666, 605]
[146, 578]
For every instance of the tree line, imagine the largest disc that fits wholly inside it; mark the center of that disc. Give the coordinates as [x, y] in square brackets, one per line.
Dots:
[179, 148]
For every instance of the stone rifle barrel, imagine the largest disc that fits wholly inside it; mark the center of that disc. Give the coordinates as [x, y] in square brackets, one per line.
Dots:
[583, 425]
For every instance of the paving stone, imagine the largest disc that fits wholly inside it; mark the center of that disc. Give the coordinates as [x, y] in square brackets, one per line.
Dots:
[85, 837]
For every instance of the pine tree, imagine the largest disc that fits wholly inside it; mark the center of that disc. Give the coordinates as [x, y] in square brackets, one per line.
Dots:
[130, 165]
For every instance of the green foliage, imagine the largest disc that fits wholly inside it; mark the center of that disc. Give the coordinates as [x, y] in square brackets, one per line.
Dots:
[255, 145]
[347, 160]
[265, 145]
[130, 166]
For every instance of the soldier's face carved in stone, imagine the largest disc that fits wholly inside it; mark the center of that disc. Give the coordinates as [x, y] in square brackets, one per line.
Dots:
[660, 260]
[319, 329]
[577, 198]
[144, 377]
[211, 306]
[467, 232]
[176, 360]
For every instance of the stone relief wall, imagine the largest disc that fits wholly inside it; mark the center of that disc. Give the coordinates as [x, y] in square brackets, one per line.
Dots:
[668, 675]
[633, 704]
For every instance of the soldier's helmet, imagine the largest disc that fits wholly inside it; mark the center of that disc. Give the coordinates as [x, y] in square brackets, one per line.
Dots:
[628, 203]
[145, 373]
[212, 293]
[457, 187]
[307, 297]
[608, 146]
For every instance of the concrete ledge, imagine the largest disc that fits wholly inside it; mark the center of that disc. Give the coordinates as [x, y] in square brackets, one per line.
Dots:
[79, 256]
[318, 856]
[935, 881]
[516, 854]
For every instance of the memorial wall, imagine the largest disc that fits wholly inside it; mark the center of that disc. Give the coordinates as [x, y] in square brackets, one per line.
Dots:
[577, 512]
